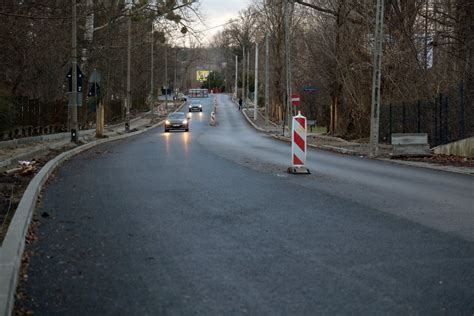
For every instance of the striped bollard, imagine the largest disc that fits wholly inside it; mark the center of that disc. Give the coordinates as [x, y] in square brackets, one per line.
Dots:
[298, 145]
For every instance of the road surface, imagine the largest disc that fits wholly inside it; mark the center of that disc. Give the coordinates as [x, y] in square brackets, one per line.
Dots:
[208, 222]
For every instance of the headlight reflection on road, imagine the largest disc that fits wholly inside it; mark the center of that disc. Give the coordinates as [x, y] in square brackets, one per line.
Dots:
[180, 138]
[185, 142]
[167, 137]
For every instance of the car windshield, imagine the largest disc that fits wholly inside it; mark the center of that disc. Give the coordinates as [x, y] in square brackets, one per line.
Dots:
[195, 103]
[177, 116]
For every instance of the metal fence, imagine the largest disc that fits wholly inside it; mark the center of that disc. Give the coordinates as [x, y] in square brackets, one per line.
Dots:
[24, 117]
[447, 118]
[21, 117]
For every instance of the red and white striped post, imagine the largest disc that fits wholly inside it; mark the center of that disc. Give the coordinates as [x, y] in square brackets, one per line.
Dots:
[298, 145]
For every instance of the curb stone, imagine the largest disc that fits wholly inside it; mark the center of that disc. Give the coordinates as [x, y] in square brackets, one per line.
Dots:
[11, 251]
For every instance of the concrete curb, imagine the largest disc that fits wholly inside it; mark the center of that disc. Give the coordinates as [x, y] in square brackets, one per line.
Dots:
[252, 123]
[419, 164]
[13, 245]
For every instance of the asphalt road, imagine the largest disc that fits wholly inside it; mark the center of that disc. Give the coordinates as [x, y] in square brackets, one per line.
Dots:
[208, 222]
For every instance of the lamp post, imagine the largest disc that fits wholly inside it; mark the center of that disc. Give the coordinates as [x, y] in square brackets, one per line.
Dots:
[267, 81]
[152, 90]
[236, 76]
[255, 92]
[74, 132]
[128, 103]
[287, 65]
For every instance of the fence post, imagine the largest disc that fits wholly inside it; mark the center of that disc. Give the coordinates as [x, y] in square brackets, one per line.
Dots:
[435, 121]
[403, 117]
[461, 114]
[418, 120]
[446, 119]
[440, 118]
[390, 122]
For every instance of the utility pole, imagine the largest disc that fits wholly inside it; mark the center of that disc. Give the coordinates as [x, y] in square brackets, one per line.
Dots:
[267, 81]
[236, 75]
[243, 74]
[74, 129]
[152, 96]
[129, 56]
[255, 94]
[209, 80]
[166, 77]
[247, 84]
[175, 79]
[288, 65]
[377, 73]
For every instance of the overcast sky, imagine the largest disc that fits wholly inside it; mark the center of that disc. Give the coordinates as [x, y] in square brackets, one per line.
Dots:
[217, 12]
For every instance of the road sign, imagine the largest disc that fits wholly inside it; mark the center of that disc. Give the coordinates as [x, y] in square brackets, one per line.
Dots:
[95, 77]
[94, 84]
[295, 99]
[94, 90]
[80, 77]
[310, 89]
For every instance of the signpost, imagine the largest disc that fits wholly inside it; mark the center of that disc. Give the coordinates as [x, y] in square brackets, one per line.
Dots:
[94, 91]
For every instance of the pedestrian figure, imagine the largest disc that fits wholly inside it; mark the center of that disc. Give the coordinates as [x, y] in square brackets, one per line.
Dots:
[240, 104]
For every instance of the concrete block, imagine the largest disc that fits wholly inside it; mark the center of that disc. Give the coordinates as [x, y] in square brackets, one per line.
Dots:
[411, 150]
[410, 144]
[409, 139]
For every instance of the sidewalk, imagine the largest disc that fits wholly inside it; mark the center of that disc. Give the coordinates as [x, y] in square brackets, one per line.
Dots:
[339, 145]
[33, 147]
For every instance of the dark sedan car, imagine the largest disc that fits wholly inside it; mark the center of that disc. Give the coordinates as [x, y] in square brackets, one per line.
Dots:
[195, 106]
[176, 120]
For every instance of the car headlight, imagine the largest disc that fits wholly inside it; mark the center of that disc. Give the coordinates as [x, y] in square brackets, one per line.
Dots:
[200, 105]
[167, 122]
[190, 106]
[185, 122]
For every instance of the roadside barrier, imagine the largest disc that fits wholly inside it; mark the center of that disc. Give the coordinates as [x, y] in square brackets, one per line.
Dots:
[213, 120]
[298, 145]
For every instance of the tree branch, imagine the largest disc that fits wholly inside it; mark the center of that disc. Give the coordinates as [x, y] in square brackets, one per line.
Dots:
[317, 8]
